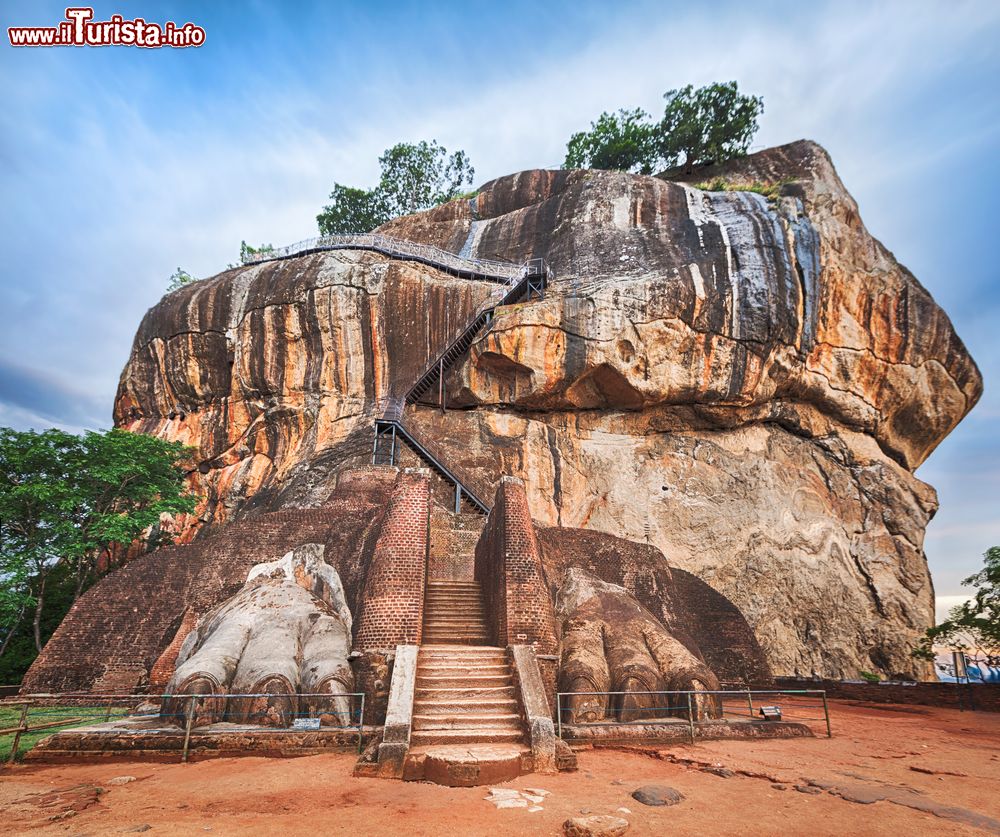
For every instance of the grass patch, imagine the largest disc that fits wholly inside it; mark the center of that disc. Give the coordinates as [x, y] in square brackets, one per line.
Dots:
[68, 717]
[770, 189]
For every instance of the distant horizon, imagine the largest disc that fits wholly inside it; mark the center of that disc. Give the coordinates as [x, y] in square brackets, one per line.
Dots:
[121, 164]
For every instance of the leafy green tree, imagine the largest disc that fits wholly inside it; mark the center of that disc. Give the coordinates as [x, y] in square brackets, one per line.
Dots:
[420, 175]
[247, 252]
[625, 141]
[352, 211]
[70, 502]
[709, 125]
[36, 499]
[179, 278]
[414, 176]
[972, 627]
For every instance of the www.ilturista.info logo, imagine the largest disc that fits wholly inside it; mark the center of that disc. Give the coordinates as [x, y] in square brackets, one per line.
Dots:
[80, 29]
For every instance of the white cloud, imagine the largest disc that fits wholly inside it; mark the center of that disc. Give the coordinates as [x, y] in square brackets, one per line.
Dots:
[943, 604]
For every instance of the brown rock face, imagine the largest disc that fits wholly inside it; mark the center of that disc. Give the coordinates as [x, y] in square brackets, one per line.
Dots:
[746, 384]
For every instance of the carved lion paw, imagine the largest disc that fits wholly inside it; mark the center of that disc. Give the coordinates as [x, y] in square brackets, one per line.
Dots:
[280, 645]
[611, 643]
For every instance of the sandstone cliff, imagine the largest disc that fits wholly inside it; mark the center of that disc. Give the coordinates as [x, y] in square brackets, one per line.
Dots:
[744, 383]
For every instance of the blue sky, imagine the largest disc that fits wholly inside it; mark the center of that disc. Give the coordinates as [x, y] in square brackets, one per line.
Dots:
[118, 165]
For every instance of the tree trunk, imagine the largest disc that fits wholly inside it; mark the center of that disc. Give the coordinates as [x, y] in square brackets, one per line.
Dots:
[80, 578]
[10, 633]
[39, 602]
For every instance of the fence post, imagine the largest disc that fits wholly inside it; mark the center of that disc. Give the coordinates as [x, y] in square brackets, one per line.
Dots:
[21, 727]
[107, 715]
[690, 717]
[826, 714]
[750, 703]
[559, 714]
[361, 725]
[187, 729]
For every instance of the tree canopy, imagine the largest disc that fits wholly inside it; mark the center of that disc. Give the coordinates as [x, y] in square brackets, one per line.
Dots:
[972, 627]
[66, 503]
[710, 124]
[414, 176]
[179, 278]
[625, 141]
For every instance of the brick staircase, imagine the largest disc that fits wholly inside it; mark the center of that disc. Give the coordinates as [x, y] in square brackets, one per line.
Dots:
[453, 614]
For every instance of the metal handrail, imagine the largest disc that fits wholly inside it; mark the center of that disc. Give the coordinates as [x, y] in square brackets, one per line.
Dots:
[396, 247]
[107, 702]
[689, 695]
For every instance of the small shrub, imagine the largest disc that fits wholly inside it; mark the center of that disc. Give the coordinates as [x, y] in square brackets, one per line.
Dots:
[870, 677]
[769, 189]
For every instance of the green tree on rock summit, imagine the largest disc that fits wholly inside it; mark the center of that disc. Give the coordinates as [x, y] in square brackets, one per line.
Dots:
[709, 125]
[414, 176]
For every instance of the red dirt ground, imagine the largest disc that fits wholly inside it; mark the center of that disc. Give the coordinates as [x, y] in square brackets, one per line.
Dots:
[889, 770]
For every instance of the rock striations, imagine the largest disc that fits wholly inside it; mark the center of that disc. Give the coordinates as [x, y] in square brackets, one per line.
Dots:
[745, 382]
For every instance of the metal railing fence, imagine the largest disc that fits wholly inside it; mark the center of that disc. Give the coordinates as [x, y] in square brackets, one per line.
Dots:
[269, 713]
[689, 708]
[397, 248]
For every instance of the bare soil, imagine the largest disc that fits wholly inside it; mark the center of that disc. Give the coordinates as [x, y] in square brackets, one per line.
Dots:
[888, 770]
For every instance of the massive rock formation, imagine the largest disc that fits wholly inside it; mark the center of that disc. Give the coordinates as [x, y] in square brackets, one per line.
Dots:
[744, 382]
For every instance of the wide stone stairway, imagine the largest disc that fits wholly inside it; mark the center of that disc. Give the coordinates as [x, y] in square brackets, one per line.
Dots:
[464, 686]
[467, 726]
[464, 696]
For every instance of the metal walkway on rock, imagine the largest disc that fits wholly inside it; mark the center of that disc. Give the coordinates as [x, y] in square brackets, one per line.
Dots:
[397, 248]
[517, 282]
[531, 280]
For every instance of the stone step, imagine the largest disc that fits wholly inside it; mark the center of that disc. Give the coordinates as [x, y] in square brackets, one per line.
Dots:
[502, 678]
[468, 765]
[452, 658]
[463, 693]
[423, 738]
[470, 649]
[454, 593]
[463, 669]
[452, 639]
[464, 601]
[450, 582]
[443, 665]
[480, 722]
[447, 616]
[435, 602]
[431, 654]
[463, 705]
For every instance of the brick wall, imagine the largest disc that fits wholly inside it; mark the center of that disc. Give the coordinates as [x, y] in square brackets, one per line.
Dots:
[453, 545]
[984, 697]
[115, 633]
[163, 668]
[392, 611]
[509, 568]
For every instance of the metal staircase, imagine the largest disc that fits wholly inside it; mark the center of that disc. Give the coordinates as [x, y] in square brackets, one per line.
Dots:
[530, 281]
[515, 282]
